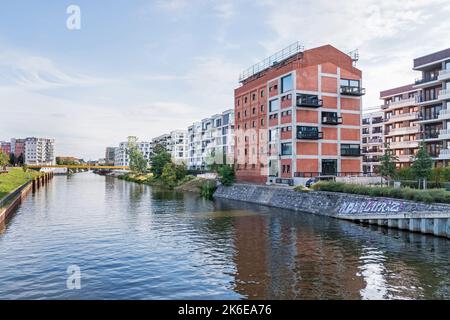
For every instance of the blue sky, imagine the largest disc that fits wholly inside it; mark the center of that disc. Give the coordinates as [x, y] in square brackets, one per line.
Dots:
[146, 67]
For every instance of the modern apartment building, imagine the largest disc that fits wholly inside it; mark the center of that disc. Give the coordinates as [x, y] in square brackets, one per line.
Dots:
[372, 140]
[211, 140]
[18, 147]
[298, 114]
[110, 156]
[178, 146]
[401, 127]
[5, 147]
[39, 151]
[420, 112]
[121, 153]
[222, 146]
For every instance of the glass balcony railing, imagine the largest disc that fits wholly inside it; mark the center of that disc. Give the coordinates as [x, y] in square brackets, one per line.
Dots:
[351, 152]
[309, 101]
[352, 91]
[309, 135]
[426, 79]
[331, 120]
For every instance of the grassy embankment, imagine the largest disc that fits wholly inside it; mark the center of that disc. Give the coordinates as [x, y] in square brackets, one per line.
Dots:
[15, 178]
[427, 196]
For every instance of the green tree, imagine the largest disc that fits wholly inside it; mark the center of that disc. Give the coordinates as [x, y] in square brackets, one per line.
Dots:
[4, 160]
[169, 175]
[226, 175]
[138, 163]
[387, 163]
[422, 165]
[159, 159]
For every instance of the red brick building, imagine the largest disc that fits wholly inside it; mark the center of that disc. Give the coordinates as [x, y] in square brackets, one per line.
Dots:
[298, 114]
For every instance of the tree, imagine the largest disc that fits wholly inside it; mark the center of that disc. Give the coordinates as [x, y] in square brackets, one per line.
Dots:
[387, 162]
[169, 175]
[138, 163]
[159, 159]
[4, 160]
[226, 175]
[422, 165]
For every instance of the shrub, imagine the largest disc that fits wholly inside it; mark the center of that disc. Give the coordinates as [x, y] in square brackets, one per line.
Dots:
[207, 189]
[428, 196]
[169, 175]
[226, 175]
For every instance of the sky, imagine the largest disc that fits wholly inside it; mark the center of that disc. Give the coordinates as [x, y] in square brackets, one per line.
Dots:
[146, 67]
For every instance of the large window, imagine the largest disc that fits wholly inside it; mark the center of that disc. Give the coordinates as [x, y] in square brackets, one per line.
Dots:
[350, 83]
[274, 105]
[286, 149]
[286, 84]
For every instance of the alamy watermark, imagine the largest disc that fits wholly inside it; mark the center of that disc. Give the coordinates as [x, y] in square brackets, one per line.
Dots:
[74, 279]
[73, 22]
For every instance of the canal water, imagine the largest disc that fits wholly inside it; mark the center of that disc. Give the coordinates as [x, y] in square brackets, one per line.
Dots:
[130, 241]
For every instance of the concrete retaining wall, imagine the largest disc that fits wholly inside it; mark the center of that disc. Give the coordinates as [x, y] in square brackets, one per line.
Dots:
[15, 198]
[434, 218]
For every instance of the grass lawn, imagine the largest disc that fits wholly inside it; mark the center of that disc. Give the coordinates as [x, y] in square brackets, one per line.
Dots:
[14, 179]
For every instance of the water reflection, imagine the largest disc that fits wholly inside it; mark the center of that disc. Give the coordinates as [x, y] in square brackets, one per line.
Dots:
[133, 241]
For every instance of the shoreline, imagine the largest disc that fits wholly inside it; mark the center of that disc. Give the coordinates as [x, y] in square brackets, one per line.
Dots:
[389, 212]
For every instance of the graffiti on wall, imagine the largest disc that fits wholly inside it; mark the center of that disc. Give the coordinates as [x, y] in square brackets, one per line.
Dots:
[362, 207]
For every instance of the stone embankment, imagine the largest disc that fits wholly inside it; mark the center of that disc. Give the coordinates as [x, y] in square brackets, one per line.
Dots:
[394, 213]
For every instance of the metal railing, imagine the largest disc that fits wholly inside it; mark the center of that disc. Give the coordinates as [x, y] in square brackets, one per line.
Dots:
[336, 174]
[273, 60]
[352, 91]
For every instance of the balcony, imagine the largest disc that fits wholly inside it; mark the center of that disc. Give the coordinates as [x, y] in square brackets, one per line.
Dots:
[410, 116]
[444, 94]
[352, 91]
[444, 75]
[405, 158]
[425, 80]
[445, 154]
[375, 140]
[309, 135]
[309, 101]
[432, 135]
[404, 144]
[444, 134]
[402, 103]
[332, 120]
[371, 159]
[403, 131]
[350, 152]
[444, 114]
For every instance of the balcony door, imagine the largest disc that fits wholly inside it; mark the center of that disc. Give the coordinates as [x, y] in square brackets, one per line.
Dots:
[329, 167]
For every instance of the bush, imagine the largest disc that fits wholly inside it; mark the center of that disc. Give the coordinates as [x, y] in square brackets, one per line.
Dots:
[226, 175]
[207, 189]
[427, 196]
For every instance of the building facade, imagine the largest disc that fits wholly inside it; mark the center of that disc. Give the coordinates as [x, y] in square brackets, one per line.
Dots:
[372, 140]
[121, 153]
[420, 112]
[178, 146]
[18, 147]
[298, 114]
[401, 127]
[5, 147]
[39, 151]
[110, 156]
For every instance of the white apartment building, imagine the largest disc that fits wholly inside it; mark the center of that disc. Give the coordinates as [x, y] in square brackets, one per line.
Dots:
[178, 146]
[211, 140]
[121, 157]
[372, 140]
[40, 151]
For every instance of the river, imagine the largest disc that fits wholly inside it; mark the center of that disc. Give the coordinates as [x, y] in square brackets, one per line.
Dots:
[130, 241]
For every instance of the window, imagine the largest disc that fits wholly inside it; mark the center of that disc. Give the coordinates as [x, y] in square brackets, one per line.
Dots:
[262, 108]
[349, 83]
[254, 110]
[254, 96]
[286, 83]
[262, 122]
[262, 93]
[286, 149]
[274, 105]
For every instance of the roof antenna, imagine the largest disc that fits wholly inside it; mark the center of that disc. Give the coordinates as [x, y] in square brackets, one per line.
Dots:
[354, 55]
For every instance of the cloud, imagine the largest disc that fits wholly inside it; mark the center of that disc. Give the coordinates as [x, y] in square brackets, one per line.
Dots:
[388, 33]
